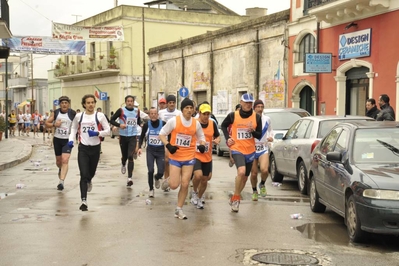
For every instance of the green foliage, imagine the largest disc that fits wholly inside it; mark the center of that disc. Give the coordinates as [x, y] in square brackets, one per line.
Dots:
[2, 124]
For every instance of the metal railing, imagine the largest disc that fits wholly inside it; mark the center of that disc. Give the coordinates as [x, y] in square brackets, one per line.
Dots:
[86, 65]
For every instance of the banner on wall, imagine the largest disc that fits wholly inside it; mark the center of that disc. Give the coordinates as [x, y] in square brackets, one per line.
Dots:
[78, 33]
[45, 45]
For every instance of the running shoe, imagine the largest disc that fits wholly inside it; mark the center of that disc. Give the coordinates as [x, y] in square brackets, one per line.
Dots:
[179, 214]
[151, 194]
[60, 187]
[129, 182]
[166, 190]
[231, 164]
[200, 205]
[255, 196]
[194, 198]
[235, 205]
[89, 187]
[263, 191]
[123, 169]
[83, 207]
[157, 183]
[165, 185]
[203, 199]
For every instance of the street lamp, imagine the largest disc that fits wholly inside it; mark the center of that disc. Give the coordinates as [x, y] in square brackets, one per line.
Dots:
[4, 53]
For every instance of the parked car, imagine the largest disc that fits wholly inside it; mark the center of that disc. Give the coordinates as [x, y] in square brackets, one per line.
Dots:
[282, 119]
[291, 156]
[222, 147]
[355, 172]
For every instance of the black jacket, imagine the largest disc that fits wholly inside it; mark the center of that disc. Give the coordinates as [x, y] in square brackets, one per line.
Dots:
[373, 112]
[386, 114]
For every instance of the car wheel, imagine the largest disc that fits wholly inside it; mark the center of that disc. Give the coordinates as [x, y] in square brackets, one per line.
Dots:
[218, 151]
[301, 174]
[276, 176]
[356, 234]
[315, 204]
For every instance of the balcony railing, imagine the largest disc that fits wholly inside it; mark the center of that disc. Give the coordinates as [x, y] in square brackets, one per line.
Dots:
[314, 3]
[86, 66]
[19, 82]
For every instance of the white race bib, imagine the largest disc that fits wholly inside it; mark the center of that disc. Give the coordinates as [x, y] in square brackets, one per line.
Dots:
[154, 140]
[183, 140]
[243, 133]
[131, 121]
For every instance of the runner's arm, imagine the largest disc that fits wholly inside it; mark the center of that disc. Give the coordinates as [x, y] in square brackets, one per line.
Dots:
[50, 120]
[74, 127]
[105, 125]
[166, 130]
[257, 133]
[142, 136]
[114, 117]
[200, 133]
[226, 123]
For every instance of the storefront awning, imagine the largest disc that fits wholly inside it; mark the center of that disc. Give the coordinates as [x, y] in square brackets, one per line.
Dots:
[23, 104]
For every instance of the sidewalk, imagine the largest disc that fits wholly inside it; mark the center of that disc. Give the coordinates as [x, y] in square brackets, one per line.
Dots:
[16, 150]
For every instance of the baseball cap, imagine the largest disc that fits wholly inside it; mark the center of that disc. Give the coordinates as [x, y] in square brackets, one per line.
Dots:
[205, 108]
[162, 100]
[247, 97]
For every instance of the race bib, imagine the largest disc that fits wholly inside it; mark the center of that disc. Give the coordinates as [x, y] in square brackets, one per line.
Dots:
[131, 121]
[183, 140]
[63, 131]
[87, 126]
[259, 147]
[154, 140]
[206, 146]
[243, 133]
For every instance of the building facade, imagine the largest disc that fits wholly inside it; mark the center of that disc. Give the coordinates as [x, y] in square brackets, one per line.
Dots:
[220, 66]
[364, 55]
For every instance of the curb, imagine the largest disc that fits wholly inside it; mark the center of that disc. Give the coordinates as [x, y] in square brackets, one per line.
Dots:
[25, 155]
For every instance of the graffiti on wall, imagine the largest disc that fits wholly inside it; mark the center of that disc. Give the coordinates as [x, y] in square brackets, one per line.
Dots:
[273, 90]
[201, 81]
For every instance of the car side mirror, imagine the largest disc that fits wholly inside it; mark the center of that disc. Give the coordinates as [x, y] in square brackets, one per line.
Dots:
[279, 136]
[334, 156]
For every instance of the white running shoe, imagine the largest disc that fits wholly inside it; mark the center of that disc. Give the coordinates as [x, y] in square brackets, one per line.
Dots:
[157, 183]
[194, 198]
[129, 182]
[179, 214]
[123, 169]
[200, 205]
[151, 194]
[165, 184]
[235, 206]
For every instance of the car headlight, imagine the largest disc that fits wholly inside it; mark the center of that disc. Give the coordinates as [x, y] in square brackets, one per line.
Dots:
[381, 194]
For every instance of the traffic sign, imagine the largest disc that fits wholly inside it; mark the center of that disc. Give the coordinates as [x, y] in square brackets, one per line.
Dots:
[16, 104]
[56, 102]
[103, 96]
[183, 92]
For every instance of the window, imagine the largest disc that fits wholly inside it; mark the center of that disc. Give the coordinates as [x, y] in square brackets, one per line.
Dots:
[342, 142]
[307, 45]
[93, 50]
[329, 141]
[303, 127]
[290, 133]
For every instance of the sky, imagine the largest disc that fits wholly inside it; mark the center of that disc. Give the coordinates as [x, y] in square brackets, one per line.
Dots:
[34, 17]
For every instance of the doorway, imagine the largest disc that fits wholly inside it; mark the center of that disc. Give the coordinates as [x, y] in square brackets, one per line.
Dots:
[357, 91]
[306, 99]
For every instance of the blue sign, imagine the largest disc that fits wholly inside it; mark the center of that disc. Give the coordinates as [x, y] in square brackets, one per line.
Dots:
[103, 96]
[183, 92]
[16, 104]
[56, 102]
[318, 63]
[355, 44]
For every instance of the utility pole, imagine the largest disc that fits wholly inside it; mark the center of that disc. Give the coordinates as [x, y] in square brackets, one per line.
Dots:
[32, 104]
[144, 89]
[76, 17]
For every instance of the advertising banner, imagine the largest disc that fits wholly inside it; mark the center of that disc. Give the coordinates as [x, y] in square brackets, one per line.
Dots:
[69, 32]
[45, 45]
[355, 44]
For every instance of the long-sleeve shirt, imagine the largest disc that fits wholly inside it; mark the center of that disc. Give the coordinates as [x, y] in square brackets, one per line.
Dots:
[257, 133]
[88, 122]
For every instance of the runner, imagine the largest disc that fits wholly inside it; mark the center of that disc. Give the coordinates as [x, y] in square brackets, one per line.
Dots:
[261, 153]
[27, 119]
[60, 120]
[45, 128]
[20, 118]
[155, 150]
[165, 115]
[12, 120]
[246, 125]
[185, 133]
[36, 118]
[91, 126]
[162, 104]
[129, 120]
[203, 163]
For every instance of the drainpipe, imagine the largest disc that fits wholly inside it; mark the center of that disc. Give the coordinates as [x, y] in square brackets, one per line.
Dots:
[257, 60]
[182, 67]
[212, 70]
[144, 82]
[316, 96]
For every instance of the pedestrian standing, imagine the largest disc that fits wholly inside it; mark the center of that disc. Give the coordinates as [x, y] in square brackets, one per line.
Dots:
[203, 161]
[155, 152]
[246, 126]
[261, 153]
[387, 113]
[185, 132]
[91, 126]
[61, 120]
[129, 120]
[371, 108]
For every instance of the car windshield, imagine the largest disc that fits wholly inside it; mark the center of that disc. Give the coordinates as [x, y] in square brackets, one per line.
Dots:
[326, 125]
[284, 120]
[377, 145]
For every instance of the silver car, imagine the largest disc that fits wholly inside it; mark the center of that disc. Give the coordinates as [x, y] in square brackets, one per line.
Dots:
[222, 147]
[291, 156]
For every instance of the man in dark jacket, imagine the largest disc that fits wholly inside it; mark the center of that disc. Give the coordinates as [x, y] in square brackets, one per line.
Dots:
[387, 113]
[371, 108]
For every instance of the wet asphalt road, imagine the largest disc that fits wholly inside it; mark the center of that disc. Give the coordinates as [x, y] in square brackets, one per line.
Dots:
[41, 226]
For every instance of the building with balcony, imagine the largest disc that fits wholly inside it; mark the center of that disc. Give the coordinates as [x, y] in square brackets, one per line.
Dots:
[362, 40]
[121, 68]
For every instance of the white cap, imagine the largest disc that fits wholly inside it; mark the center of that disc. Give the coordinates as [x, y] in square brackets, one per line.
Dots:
[136, 103]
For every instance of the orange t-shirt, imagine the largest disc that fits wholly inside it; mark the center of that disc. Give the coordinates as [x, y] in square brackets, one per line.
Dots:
[184, 138]
[206, 157]
[244, 141]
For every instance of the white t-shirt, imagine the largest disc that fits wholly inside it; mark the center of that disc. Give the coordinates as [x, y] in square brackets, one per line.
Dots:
[261, 145]
[20, 118]
[63, 131]
[171, 124]
[27, 118]
[165, 115]
[89, 123]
